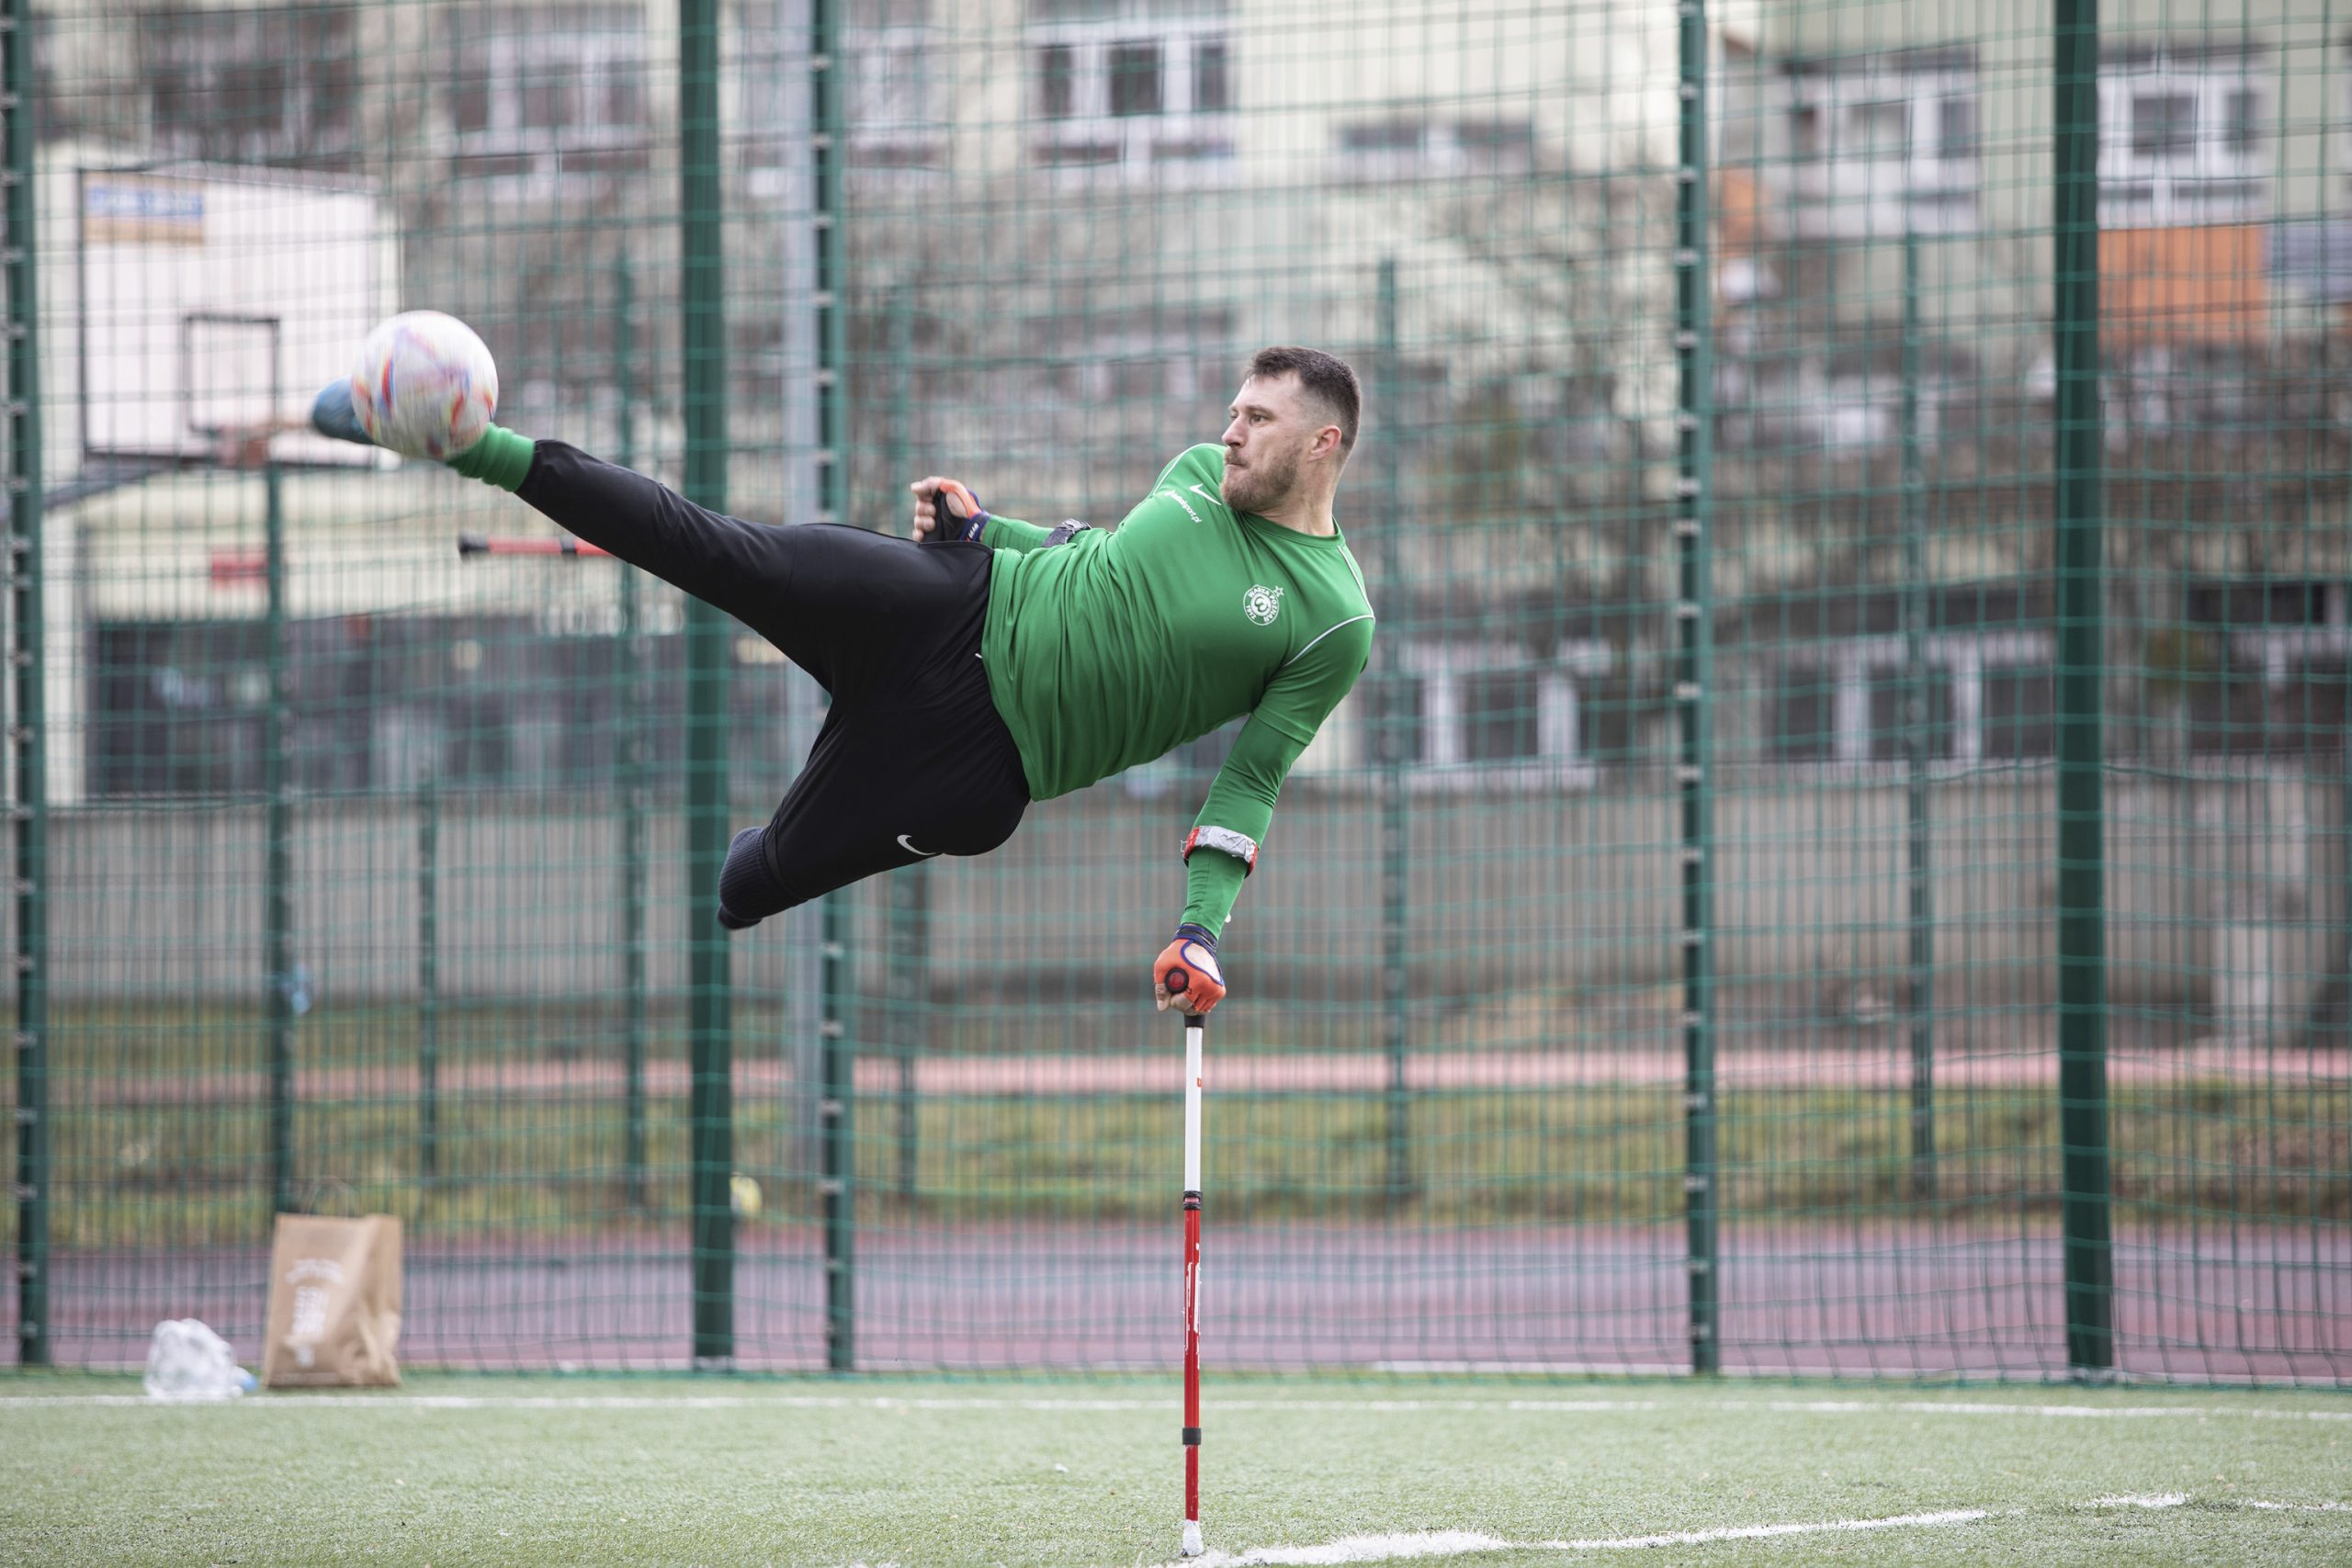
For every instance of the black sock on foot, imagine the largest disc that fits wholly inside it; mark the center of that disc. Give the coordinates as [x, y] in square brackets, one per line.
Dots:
[747, 890]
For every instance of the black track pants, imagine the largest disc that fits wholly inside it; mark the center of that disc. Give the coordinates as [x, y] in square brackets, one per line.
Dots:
[912, 759]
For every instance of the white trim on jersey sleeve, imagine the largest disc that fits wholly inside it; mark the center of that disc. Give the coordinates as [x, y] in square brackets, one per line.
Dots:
[1327, 631]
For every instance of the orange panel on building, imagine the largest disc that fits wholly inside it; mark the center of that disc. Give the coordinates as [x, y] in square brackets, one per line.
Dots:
[2191, 285]
[1739, 212]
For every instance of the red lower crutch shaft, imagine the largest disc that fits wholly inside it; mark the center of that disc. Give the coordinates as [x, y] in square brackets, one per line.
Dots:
[1193, 1032]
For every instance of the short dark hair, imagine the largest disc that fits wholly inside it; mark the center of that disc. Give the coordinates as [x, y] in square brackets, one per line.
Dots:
[1325, 377]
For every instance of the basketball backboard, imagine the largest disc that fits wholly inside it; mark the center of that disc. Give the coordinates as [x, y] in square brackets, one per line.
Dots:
[217, 299]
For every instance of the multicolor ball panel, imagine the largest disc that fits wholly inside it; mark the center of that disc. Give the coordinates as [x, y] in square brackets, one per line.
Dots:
[425, 385]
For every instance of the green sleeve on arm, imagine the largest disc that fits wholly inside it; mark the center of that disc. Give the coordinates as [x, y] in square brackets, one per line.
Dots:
[1242, 799]
[1212, 886]
[1012, 534]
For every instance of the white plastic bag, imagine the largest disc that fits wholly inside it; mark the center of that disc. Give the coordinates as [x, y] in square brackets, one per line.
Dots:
[186, 1360]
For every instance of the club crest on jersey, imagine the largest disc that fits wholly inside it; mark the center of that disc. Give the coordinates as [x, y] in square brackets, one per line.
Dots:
[1262, 603]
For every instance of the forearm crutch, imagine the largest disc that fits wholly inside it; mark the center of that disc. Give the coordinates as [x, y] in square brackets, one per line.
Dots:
[1193, 1029]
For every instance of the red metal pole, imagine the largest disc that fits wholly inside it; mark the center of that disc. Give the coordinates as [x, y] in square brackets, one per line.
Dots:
[489, 545]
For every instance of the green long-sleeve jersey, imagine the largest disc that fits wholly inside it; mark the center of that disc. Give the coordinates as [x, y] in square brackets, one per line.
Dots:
[1109, 650]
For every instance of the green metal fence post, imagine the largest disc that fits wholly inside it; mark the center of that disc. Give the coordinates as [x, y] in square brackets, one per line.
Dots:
[907, 952]
[1918, 994]
[2339, 1019]
[629, 756]
[909, 944]
[1694, 671]
[2082, 918]
[428, 979]
[837, 1103]
[710, 998]
[1394, 826]
[836, 1109]
[28, 740]
[278, 900]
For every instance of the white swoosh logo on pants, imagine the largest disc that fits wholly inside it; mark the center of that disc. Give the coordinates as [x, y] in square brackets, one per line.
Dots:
[927, 854]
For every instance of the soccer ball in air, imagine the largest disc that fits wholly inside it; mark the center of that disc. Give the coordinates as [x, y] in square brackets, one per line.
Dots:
[423, 386]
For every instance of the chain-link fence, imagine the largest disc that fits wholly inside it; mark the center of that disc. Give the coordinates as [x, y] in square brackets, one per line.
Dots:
[1837, 861]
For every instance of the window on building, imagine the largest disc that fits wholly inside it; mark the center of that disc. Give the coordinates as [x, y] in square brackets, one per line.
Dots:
[1495, 143]
[59, 113]
[2163, 124]
[1212, 82]
[1136, 88]
[547, 92]
[1877, 143]
[1974, 696]
[2242, 122]
[378, 705]
[2264, 605]
[274, 85]
[890, 111]
[1491, 716]
[1415, 146]
[177, 708]
[2310, 709]
[2018, 713]
[1956, 129]
[1056, 81]
[1396, 708]
[1804, 715]
[1877, 130]
[1175, 357]
[1453, 716]
[1896, 728]
[1501, 716]
[1384, 136]
[894, 97]
[1135, 79]
[2257, 668]
[2182, 139]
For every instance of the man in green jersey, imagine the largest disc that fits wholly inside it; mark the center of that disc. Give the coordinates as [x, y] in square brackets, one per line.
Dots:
[991, 662]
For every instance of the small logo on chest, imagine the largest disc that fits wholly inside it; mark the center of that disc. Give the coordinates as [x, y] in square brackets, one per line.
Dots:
[1261, 604]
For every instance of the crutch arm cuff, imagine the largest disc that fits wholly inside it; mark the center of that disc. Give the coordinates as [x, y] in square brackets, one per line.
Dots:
[1225, 841]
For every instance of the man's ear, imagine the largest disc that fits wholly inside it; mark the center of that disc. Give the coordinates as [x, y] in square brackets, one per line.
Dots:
[1325, 442]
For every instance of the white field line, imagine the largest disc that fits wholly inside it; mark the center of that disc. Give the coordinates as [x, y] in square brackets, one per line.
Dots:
[1458, 1544]
[392, 1400]
[2058, 1412]
[1760, 1532]
[2305, 1508]
[1357, 1549]
[1678, 1371]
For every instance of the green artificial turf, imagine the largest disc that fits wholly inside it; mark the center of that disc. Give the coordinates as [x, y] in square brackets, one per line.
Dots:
[1086, 1472]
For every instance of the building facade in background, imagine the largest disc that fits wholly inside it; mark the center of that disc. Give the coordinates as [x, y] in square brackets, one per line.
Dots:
[1066, 223]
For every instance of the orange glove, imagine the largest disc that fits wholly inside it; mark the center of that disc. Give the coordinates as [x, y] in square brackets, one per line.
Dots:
[1186, 973]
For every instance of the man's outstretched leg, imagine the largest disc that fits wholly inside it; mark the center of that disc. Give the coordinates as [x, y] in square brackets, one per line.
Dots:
[839, 602]
[912, 759]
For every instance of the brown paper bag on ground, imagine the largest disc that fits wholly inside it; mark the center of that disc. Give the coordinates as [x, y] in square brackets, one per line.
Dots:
[335, 1303]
